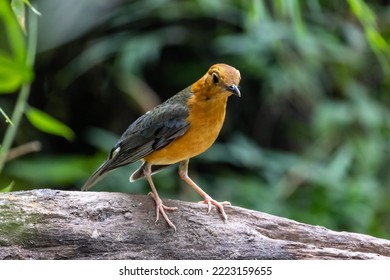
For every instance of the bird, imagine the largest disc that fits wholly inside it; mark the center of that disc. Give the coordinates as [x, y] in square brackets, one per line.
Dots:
[175, 131]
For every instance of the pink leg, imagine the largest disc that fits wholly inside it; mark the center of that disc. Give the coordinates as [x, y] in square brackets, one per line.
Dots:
[183, 172]
[160, 207]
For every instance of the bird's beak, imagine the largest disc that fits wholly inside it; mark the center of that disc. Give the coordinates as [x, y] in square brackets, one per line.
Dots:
[234, 89]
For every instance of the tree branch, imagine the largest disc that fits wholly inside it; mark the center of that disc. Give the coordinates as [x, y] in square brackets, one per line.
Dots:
[51, 224]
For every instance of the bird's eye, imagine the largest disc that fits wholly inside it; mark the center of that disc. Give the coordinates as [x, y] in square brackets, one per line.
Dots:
[215, 78]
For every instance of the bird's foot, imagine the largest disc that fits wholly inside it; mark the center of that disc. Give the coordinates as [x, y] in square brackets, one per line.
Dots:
[160, 208]
[209, 201]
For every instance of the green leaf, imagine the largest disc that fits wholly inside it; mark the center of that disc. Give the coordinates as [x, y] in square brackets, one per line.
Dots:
[20, 13]
[7, 119]
[12, 74]
[16, 39]
[8, 188]
[13, 68]
[27, 2]
[377, 42]
[48, 124]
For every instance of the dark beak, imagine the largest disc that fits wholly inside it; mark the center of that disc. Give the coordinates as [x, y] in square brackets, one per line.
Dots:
[234, 89]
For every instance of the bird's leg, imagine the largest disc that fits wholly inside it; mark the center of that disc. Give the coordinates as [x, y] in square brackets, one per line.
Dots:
[183, 172]
[160, 207]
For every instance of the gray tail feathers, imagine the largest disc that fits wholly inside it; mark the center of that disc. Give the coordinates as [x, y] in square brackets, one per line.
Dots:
[97, 176]
[107, 167]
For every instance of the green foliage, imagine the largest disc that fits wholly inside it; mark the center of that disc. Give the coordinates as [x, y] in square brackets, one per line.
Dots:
[16, 72]
[7, 188]
[13, 69]
[48, 171]
[48, 124]
[369, 21]
[7, 119]
[309, 139]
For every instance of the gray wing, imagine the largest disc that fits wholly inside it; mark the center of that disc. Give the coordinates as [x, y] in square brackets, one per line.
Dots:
[152, 131]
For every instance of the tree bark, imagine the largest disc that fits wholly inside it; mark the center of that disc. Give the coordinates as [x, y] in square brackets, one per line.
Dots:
[52, 224]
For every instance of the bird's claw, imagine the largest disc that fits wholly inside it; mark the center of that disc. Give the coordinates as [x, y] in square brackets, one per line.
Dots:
[160, 208]
[209, 201]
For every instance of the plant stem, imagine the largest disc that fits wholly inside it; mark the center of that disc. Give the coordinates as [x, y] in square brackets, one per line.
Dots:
[23, 94]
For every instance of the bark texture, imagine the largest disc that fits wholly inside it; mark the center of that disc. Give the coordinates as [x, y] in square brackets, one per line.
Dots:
[52, 224]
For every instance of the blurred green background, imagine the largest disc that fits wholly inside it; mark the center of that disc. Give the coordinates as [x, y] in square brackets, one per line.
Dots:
[309, 139]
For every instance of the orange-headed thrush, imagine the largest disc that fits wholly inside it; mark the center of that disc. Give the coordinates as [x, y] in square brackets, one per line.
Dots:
[182, 127]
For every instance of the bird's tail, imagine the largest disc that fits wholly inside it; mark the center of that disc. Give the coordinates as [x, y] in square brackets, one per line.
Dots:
[97, 175]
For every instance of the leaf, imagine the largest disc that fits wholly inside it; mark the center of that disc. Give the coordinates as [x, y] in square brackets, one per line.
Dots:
[7, 119]
[13, 68]
[377, 42]
[48, 124]
[7, 188]
[12, 74]
[27, 2]
[15, 37]
[20, 13]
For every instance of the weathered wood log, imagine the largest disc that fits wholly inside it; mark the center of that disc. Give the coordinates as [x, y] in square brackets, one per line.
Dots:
[51, 224]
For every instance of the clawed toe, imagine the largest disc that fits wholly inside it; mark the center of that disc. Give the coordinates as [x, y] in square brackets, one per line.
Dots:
[160, 208]
[209, 201]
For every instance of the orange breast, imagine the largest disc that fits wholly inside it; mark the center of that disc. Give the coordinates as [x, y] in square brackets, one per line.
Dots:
[206, 118]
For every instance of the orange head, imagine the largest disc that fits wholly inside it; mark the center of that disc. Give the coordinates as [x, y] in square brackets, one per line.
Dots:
[220, 79]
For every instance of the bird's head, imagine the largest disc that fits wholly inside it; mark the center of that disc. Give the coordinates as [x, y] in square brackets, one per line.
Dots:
[220, 80]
